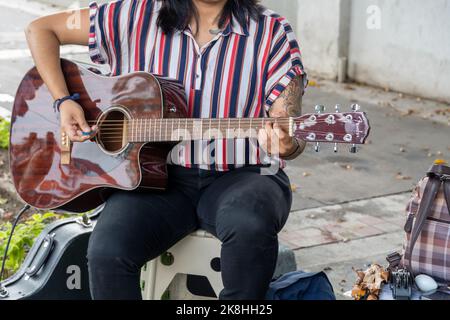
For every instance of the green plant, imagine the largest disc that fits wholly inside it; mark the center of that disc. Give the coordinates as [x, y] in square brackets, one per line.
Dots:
[22, 239]
[4, 133]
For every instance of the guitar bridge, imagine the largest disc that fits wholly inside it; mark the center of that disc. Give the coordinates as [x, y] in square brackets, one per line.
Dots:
[66, 149]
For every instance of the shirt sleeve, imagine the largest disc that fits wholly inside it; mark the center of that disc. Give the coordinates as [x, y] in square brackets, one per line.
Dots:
[99, 50]
[110, 25]
[285, 62]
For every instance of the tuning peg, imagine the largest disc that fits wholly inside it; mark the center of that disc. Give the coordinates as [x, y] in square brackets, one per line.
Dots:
[319, 109]
[335, 148]
[317, 147]
[353, 149]
[337, 108]
[355, 107]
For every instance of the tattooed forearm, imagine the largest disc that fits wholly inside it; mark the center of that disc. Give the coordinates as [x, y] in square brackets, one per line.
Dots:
[289, 103]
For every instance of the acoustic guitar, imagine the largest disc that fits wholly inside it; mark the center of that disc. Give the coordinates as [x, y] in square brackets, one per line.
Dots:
[140, 117]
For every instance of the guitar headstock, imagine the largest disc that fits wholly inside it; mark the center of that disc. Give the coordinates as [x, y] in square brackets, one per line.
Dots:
[338, 127]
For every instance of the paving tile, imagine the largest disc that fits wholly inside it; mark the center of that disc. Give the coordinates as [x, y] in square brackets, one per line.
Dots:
[367, 232]
[370, 220]
[388, 227]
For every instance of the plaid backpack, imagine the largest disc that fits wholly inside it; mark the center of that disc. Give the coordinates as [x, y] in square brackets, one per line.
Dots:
[426, 248]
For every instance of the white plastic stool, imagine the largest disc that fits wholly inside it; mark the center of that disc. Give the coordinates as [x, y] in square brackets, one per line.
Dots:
[192, 255]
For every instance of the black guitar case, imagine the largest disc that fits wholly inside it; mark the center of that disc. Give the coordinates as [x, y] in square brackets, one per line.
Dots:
[56, 265]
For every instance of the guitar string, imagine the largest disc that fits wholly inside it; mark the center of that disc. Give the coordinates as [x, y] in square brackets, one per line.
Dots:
[190, 124]
[201, 119]
[163, 137]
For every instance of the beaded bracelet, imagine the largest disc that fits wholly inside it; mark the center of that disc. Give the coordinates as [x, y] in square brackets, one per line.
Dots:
[59, 102]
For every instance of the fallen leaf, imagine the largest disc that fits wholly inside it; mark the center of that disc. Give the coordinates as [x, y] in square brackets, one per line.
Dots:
[294, 187]
[407, 113]
[3, 201]
[306, 174]
[400, 176]
[312, 83]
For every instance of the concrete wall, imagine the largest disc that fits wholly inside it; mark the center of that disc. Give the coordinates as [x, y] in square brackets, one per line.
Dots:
[317, 25]
[410, 52]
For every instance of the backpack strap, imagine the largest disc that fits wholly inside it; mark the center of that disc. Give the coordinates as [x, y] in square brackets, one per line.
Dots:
[429, 195]
[447, 192]
[443, 173]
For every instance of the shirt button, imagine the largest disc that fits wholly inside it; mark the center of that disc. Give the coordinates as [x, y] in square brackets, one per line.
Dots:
[197, 76]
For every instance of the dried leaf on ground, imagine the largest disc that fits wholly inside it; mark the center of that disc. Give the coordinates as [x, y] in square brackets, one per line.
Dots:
[408, 112]
[293, 187]
[400, 176]
[3, 201]
[368, 283]
[306, 174]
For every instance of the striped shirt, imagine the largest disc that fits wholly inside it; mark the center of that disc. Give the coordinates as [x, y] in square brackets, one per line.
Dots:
[240, 73]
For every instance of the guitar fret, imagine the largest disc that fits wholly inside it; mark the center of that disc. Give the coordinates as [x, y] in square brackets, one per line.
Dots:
[140, 130]
[146, 132]
[239, 129]
[210, 120]
[154, 130]
[165, 130]
[160, 129]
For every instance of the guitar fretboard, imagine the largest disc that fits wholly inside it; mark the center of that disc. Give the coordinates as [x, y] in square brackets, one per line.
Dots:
[159, 130]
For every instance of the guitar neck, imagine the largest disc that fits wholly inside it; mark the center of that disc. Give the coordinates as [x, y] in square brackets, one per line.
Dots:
[172, 130]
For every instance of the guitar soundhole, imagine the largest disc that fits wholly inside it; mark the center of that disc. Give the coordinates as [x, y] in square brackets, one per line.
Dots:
[112, 136]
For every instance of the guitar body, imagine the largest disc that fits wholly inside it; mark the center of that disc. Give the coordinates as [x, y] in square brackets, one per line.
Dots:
[96, 167]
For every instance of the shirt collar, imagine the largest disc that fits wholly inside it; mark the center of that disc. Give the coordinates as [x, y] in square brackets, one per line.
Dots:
[231, 26]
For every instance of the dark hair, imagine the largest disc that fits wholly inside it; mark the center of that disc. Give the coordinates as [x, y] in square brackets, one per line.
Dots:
[176, 14]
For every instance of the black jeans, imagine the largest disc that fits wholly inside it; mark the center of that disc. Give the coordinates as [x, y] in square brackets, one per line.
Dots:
[242, 208]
